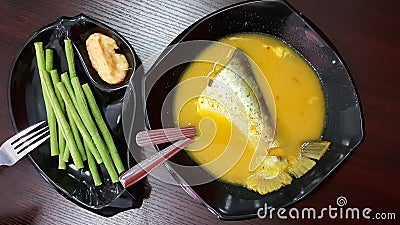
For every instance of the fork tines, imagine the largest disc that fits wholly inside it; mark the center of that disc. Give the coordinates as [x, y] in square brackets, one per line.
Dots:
[30, 138]
[158, 136]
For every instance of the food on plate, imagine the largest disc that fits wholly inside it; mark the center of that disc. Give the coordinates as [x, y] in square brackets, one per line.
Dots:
[234, 92]
[260, 108]
[110, 66]
[74, 119]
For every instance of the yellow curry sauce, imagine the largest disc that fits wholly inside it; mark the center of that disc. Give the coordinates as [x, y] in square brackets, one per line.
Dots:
[299, 100]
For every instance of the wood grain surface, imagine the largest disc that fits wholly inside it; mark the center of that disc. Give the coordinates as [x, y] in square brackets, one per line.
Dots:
[365, 32]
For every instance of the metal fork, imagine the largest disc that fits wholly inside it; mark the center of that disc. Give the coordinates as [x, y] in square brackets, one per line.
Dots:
[22, 143]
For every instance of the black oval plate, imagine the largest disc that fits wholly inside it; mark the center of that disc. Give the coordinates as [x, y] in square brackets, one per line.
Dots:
[27, 107]
[343, 114]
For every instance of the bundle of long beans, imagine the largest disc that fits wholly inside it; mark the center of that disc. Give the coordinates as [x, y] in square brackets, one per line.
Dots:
[77, 128]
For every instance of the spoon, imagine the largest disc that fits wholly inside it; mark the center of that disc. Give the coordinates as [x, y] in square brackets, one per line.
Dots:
[158, 136]
[143, 168]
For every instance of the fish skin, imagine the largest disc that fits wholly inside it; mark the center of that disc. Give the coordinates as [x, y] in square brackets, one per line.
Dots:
[234, 92]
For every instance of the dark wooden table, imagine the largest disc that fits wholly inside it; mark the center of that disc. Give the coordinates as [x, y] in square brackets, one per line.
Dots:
[365, 32]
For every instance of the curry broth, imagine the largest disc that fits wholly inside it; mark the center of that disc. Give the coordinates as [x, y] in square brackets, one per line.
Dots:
[299, 100]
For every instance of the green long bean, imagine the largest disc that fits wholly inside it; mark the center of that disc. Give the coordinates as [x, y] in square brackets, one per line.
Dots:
[55, 78]
[81, 103]
[67, 83]
[51, 119]
[49, 59]
[92, 166]
[78, 140]
[78, 121]
[91, 126]
[69, 53]
[103, 128]
[63, 157]
[61, 146]
[66, 129]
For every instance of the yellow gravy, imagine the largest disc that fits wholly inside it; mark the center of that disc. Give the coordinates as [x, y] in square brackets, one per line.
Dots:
[221, 148]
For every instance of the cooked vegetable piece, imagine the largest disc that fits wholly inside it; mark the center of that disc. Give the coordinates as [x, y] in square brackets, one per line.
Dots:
[66, 129]
[69, 53]
[77, 137]
[81, 127]
[92, 166]
[103, 128]
[94, 133]
[300, 167]
[81, 105]
[67, 83]
[51, 120]
[78, 140]
[49, 59]
[61, 146]
[264, 183]
[55, 78]
[269, 176]
[314, 149]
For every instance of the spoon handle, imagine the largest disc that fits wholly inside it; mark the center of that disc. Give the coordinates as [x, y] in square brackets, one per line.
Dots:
[141, 169]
